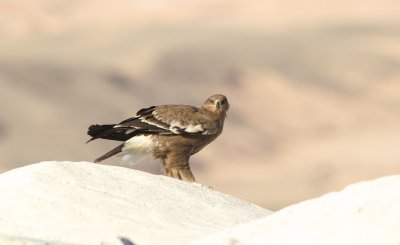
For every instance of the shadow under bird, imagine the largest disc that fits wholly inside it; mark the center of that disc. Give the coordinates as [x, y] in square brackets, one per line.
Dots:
[171, 133]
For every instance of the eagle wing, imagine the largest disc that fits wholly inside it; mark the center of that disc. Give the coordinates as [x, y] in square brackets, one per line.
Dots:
[159, 120]
[174, 119]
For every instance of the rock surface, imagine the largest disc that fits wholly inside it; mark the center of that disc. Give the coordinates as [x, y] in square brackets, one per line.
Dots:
[86, 203]
[363, 213]
[7, 240]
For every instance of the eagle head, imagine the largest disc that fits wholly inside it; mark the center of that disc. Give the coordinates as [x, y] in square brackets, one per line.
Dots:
[217, 103]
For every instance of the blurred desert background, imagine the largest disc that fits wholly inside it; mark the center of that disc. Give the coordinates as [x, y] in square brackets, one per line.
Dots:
[314, 86]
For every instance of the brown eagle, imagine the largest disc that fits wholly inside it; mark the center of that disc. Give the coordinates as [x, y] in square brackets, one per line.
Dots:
[171, 133]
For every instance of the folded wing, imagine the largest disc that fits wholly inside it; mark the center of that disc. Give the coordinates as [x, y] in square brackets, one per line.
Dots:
[161, 120]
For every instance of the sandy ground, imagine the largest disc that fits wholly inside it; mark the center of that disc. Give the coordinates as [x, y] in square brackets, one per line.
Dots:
[314, 88]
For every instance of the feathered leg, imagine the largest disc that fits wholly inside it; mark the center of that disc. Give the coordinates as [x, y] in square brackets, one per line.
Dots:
[177, 166]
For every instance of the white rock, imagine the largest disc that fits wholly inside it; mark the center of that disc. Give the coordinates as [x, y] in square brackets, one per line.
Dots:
[364, 213]
[7, 240]
[88, 203]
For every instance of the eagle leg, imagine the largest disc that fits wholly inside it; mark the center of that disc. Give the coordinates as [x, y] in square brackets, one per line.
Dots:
[178, 171]
[186, 174]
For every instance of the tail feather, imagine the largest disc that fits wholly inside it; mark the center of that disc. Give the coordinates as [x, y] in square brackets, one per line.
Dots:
[111, 153]
[95, 130]
[107, 131]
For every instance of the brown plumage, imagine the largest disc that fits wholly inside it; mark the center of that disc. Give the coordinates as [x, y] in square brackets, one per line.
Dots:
[171, 133]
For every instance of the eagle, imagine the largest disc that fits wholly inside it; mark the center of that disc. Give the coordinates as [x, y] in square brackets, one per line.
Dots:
[171, 133]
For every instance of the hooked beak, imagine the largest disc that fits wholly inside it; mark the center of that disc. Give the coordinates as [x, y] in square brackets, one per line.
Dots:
[218, 105]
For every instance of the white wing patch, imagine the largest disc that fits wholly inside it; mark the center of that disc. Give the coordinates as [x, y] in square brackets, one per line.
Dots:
[176, 127]
[194, 128]
[152, 123]
[130, 131]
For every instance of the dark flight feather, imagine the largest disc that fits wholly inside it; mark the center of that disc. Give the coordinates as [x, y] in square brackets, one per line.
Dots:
[111, 153]
[143, 111]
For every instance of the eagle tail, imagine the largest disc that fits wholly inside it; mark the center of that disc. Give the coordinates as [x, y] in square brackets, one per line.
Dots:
[108, 131]
[96, 129]
[111, 153]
